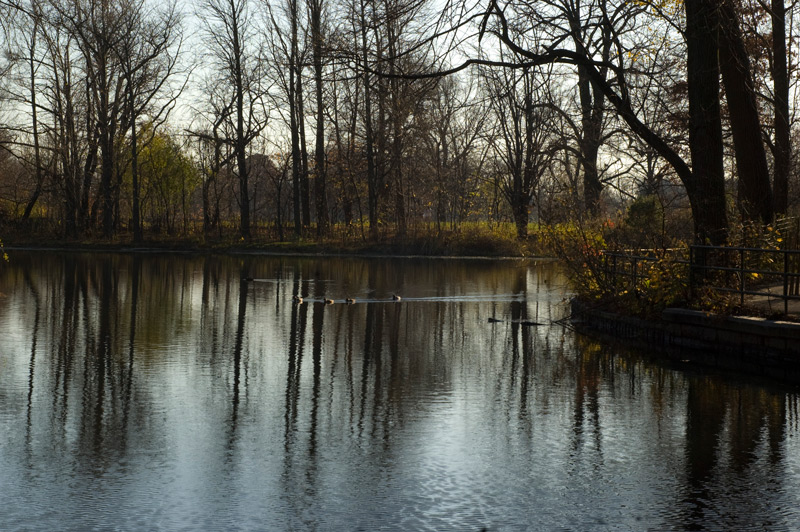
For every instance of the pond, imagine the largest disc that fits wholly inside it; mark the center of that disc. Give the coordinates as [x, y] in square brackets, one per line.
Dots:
[183, 392]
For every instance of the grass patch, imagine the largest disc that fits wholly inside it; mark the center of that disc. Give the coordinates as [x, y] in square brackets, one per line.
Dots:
[469, 239]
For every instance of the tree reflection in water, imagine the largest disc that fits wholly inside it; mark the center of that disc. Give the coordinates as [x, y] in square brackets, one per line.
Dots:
[144, 389]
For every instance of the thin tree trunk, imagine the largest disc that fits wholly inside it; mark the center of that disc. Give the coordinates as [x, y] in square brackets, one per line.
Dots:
[301, 126]
[37, 157]
[136, 214]
[297, 189]
[320, 174]
[369, 140]
[240, 145]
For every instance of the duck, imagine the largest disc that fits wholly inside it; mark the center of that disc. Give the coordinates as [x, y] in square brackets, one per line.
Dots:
[329, 301]
[350, 300]
[297, 299]
[395, 297]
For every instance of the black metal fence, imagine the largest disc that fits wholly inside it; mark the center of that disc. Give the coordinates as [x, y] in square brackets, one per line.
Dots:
[628, 270]
[742, 271]
[763, 274]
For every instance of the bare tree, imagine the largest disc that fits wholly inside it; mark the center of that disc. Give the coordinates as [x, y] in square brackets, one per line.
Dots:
[316, 12]
[67, 99]
[236, 53]
[98, 27]
[524, 142]
[363, 21]
[704, 178]
[457, 146]
[286, 40]
[23, 33]
[149, 57]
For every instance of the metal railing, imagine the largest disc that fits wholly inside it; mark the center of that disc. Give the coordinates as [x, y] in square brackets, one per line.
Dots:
[739, 271]
[624, 270]
[743, 271]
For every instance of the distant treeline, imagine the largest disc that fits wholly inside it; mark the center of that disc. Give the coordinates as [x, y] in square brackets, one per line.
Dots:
[287, 118]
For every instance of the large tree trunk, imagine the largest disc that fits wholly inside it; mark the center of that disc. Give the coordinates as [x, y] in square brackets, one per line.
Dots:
[592, 106]
[780, 76]
[755, 192]
[705, 180]
[592, 130]
[707, 188]
[519, 208]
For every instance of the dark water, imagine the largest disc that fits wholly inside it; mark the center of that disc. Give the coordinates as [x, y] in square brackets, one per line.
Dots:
[150, 392]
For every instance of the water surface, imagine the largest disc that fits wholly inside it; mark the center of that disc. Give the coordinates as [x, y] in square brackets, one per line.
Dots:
[168, 392]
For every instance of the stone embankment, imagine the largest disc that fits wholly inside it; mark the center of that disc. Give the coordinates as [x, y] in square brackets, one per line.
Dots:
[754, 345]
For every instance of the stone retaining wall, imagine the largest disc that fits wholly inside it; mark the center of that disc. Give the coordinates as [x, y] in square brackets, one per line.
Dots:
[754, 345]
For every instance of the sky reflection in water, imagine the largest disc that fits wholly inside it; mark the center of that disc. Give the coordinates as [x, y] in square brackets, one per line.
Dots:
[150, 392]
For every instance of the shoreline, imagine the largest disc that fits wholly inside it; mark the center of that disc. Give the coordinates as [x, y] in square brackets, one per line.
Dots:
[744, 344]
[311, 251]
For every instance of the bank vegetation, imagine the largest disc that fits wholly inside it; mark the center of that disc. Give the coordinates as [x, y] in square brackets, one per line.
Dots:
[449, 127]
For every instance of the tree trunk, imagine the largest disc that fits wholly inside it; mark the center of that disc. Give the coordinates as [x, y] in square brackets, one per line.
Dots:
[397, 169]
[520, 209]
[751, 159]
[780, 76]
[278, 218]
[592, 102]
[320, 177]
[297, 191]
[240, 145]
[707, 188]
[369, 140]
[136, 214]
[37, 157]
[106, 179]
[591, 130]
[305, 197]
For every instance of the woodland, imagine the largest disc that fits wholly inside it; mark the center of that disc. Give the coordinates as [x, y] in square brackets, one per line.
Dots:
[353, 119]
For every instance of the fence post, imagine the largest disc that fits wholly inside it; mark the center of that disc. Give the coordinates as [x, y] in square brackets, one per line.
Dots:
[741, 277]
[785, 282]
[614, 273]
[691, 272]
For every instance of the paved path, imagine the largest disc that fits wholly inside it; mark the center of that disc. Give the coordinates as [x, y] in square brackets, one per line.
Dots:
[771, 300]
